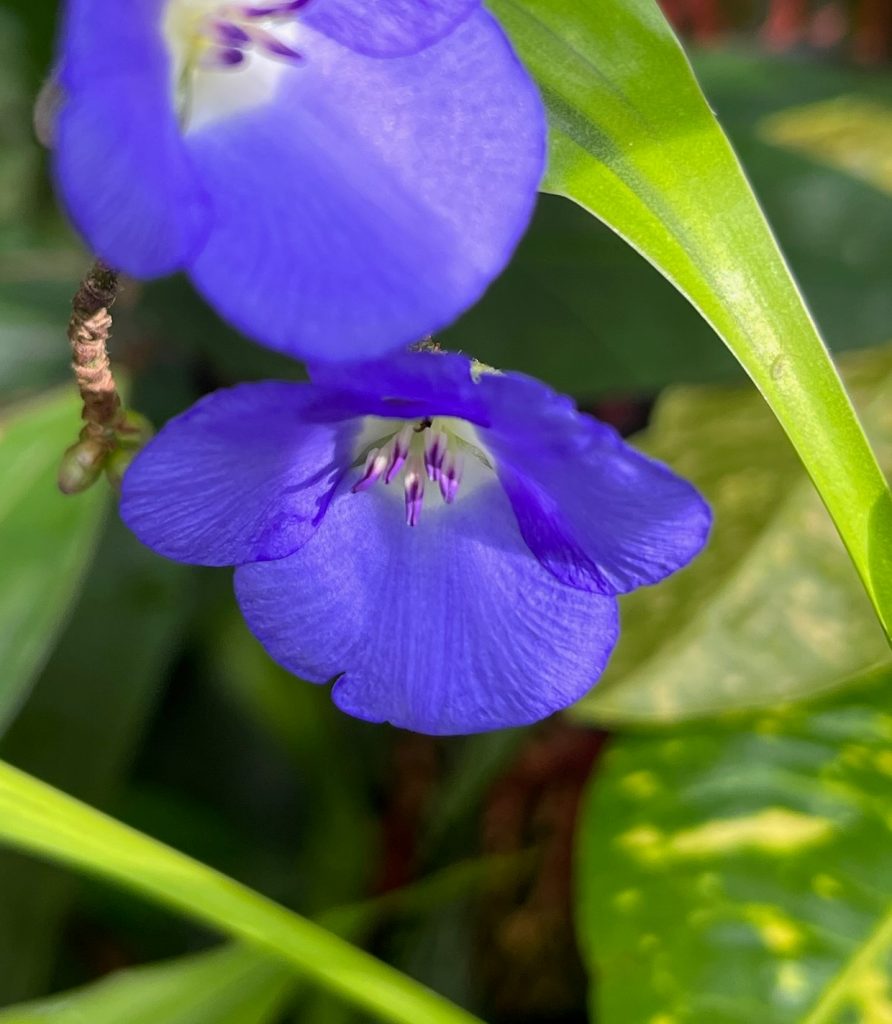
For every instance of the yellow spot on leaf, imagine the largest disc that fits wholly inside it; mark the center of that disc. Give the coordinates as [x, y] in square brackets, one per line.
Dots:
[643, 840]
[627, 900]
[709, 884]
[641, 785]
[826, 886]
[769, 726]
[780, 933]
[774, 830]
[792, 981]
[850, 133]
[883, 762]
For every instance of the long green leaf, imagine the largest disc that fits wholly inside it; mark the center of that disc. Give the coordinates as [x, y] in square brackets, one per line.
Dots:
[226, 986]
[80, 729]
[738, 871]
[634, 141]
[37, 818]
[46, 540]
[235, 984]
[773, 610]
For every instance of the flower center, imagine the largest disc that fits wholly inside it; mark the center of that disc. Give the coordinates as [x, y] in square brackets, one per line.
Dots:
[210, 39]
[441, 451]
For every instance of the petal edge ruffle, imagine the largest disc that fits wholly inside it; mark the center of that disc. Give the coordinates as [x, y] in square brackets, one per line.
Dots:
[449, 627]
[243, 476]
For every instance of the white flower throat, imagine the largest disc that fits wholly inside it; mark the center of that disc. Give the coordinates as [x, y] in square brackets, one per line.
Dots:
[228, 57]
[442, 455]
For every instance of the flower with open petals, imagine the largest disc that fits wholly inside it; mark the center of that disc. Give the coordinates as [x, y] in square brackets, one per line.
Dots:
[338, 177]
[447, 540]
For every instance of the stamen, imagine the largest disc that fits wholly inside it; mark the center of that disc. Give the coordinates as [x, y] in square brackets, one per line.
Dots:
[435, 448]
[400, 452]
[450, 476]
[230, 35]
[218, 58]
[272, 45]
[375, 464]
[414, 492]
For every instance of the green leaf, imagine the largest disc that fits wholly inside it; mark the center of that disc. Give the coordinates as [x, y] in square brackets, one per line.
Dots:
[633, 331]
[237, 985]
[37, 818]
[226, 986]
[81, 727]
[46, 540]
[37, 282]
[772, 610]
[634, 141]
[851, 133]
[738, 871]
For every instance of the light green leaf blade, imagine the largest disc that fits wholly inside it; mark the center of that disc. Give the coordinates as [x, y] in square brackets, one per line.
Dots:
[738, 871]
[232, 985]
[37, 818]
[773, 609]
[634, 141]
[46, 539]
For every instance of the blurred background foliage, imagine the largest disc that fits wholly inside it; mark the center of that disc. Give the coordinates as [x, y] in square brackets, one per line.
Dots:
[725, 860]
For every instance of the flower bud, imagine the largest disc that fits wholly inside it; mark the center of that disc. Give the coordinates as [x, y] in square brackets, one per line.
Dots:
[117, 465]
[81, 466]
[46, 110]
[133, 431]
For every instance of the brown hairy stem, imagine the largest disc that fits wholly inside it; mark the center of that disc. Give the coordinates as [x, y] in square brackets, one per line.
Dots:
[88, 331]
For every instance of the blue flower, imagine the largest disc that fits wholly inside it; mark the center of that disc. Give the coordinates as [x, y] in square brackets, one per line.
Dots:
[448, 540]
[338, 177]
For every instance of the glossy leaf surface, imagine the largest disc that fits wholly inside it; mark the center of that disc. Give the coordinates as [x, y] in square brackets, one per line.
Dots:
[738, 872]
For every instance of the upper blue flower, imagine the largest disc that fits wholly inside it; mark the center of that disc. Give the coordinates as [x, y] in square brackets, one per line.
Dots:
[494, 607]
[338, 177]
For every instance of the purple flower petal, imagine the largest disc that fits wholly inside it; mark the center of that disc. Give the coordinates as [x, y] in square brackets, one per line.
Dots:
[450, 626]
[119, 161]
[242, 476]
[597, 513]
[373, 200]
[388, 28]
[410, 385]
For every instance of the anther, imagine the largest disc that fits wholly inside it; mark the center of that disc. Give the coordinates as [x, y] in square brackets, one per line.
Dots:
[375, 464]
[272, 45]
[230, 36]
[218, 58]
[450, 476]
[435, 447]
[399, 452]
[414, 492]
